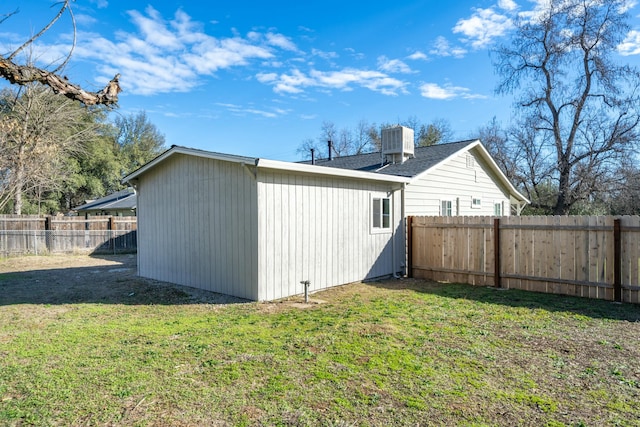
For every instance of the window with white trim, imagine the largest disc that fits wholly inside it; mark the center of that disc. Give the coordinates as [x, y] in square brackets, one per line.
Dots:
[381, 213]
[446, 208]
[497, 208]
[476, 202]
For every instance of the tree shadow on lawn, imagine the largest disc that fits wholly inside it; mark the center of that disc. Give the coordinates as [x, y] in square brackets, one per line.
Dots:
[112, 280]
[517, 298]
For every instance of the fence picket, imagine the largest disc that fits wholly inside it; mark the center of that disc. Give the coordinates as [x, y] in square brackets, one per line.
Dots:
[563, 255]
[30, 234]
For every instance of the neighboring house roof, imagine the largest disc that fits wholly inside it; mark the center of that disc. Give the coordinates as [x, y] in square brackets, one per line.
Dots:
[264, 163]
[425, 160]
[120, 200]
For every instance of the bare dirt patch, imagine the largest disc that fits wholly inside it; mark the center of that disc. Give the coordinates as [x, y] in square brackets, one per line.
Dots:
[107, 279]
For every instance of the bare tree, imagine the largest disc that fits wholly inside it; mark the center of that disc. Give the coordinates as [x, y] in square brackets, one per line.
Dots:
[439, 130]
[343, 145]
[625, 200]
[23, 74]
[38, 132]
[328, 132]
[582, 106]
[304, 149]
[366, 137]
[362, 142]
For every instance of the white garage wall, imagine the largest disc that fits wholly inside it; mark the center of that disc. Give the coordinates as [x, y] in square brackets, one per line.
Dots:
[317, 228]
[198, 225]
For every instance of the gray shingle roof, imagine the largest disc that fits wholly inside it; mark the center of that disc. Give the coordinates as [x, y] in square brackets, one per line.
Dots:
[123, 199]
[425, 158]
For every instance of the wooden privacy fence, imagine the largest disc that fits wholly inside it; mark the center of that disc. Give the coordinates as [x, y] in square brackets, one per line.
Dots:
[594, 257]
[31, 234]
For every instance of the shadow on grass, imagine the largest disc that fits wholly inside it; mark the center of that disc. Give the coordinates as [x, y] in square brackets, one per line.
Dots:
[518, 298]
[112, 283]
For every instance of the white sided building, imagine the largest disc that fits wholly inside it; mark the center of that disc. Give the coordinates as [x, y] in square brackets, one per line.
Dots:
[256, 228]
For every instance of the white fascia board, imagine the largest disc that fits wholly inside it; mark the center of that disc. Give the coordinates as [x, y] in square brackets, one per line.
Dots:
[267, 164]
[190, 152]
[328, 171]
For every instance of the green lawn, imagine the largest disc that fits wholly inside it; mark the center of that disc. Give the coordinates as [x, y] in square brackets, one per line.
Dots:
[393, 353]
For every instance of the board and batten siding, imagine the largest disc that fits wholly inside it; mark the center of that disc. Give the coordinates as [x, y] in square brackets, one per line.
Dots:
[198, 225]
[318, 228]
[459, 182]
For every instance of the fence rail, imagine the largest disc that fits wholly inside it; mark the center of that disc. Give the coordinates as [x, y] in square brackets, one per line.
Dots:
[22, 235]
[595, 257]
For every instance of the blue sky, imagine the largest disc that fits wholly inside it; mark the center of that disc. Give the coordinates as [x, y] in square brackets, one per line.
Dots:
[258, 78]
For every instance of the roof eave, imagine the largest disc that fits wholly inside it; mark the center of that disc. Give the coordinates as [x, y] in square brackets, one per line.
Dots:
[328, 171]
[266, 164]
[176, 149]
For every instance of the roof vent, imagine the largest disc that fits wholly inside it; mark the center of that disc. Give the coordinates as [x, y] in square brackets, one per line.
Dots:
[397, 144]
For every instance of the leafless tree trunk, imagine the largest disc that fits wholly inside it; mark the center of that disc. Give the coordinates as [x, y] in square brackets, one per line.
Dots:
[584, 107]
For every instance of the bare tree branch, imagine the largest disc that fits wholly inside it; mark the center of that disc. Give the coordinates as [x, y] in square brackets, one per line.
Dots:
[582, 105]
[65, 5]
[73, 45]
[8, 15]
[23, 74]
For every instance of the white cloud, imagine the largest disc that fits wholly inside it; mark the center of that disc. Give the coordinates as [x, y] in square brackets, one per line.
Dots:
[324, 55]
[441, 47]
[434, 91]
[243, 111]
[291, 83]
[627, 5]
[355, 55]
[173, 55]
[308, 116]
[154, 29]
[85, 20]
[101, 4]
[542, 6]
[483, 26]
[631, 44]
[296, 81]
[278, 40]
[393, 65]
[416, 56]
[538, 9]
[267, 77]
[509, 5]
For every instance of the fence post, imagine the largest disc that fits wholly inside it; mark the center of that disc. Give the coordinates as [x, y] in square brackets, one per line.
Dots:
[112, 227]
[48, 238]
[617, 261]
[409, 246]
[497, 279]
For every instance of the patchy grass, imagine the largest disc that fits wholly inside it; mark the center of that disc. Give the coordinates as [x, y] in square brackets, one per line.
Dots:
[391, 353]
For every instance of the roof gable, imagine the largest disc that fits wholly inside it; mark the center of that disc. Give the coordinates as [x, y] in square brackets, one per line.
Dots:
[425, 160]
